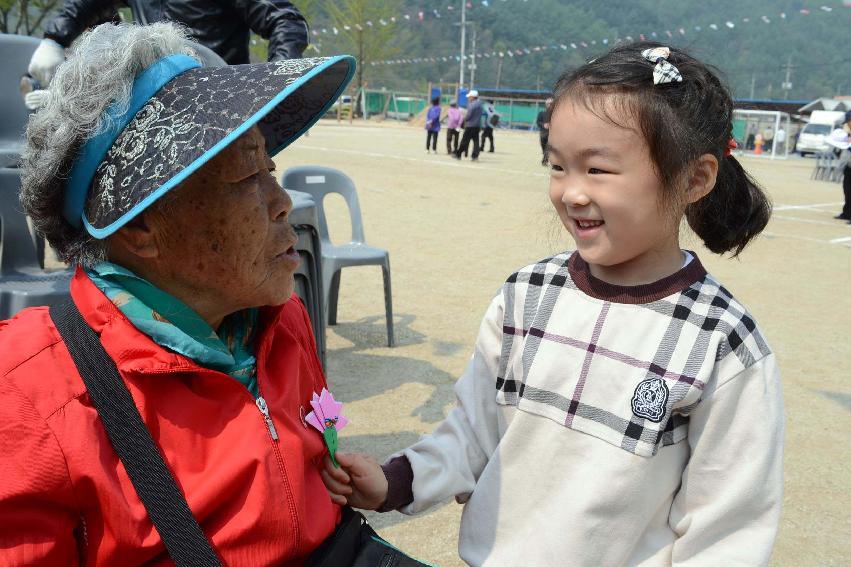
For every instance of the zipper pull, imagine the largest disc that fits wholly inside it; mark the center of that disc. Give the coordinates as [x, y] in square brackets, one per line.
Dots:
[264, 409]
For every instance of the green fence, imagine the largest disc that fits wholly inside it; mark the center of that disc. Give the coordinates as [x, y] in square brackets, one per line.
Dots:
[514, 113]
[401, 106]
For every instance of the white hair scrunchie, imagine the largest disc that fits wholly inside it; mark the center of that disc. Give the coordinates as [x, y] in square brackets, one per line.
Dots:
[663, 71]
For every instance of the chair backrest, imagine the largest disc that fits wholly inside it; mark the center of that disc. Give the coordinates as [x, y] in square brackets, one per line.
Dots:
[17, 248]
[304, 210]
[320, 181]
[17, 51]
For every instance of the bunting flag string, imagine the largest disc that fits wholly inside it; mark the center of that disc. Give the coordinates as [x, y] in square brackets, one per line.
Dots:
[436, 14]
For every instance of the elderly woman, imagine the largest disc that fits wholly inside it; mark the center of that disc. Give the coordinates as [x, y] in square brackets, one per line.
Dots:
[153, 176]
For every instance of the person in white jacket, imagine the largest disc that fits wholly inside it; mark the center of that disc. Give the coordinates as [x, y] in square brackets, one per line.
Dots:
[621, 407]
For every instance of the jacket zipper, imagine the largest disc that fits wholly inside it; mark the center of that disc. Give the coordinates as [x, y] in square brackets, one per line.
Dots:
[264, 409]
[261, 404]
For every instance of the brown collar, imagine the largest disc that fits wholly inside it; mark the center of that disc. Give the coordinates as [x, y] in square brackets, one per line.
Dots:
[644, 293]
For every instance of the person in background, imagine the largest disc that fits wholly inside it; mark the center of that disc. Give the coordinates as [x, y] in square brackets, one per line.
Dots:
[490, 118]
[750, 141]
[768, 139]
[780, 136]
[454, 116]
[796, 133]
[759, 143]
[839, 139]
[543, 128]
[621, 406]
[472, 126]
[432, 124]
[223, 26]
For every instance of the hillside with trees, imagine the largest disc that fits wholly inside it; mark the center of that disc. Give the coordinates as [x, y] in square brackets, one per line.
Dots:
[752, 54]
[751, 42]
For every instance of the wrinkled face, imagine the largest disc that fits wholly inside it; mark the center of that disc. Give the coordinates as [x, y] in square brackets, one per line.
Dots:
[226, 233]
[606, 192]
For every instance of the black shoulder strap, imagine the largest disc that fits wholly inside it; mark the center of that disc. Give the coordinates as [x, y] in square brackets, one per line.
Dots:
[185, 541]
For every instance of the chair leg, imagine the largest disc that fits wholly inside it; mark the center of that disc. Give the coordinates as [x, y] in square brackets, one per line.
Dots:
[388, 303]
[39, 250]
[333, 294]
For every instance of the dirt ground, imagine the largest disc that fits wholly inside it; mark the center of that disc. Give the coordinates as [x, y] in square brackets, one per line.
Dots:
[455, 230]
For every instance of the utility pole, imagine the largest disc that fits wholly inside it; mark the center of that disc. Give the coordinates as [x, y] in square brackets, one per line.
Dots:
[463, 38]
[464, 23]
[753, 84]
[473, 61]
[787, 84]
[499, 72]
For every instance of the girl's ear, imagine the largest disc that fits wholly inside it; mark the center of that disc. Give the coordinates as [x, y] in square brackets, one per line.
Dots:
[703, 178]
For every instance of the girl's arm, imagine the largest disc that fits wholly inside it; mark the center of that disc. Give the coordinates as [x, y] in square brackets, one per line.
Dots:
[447, 463]
[728, 507]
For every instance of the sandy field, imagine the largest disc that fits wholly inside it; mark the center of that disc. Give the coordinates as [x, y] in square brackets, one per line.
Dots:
[456, 230]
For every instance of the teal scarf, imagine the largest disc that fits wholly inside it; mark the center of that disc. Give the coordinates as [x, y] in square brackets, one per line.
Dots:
[174, 325]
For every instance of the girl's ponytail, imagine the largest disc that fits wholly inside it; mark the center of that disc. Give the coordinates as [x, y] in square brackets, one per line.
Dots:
[733, 213]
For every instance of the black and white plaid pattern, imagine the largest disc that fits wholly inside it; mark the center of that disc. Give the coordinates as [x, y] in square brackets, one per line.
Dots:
[663, 70]
[582, 361]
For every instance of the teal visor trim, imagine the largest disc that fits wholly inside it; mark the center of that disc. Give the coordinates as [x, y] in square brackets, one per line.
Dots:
[101, 233]
[146, 85]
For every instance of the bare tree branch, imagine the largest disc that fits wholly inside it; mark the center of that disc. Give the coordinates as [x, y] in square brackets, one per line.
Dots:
[45, 8]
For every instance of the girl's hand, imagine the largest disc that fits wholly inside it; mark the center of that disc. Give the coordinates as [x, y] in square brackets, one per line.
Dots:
[359, 482]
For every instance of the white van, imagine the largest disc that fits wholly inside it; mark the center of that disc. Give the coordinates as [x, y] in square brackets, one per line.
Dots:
[813, 137]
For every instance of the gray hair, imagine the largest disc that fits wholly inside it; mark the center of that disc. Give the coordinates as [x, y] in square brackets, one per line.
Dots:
[100, 71]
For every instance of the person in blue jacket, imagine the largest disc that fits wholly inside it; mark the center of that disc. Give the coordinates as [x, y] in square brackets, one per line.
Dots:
[432, 125]
[472, 127]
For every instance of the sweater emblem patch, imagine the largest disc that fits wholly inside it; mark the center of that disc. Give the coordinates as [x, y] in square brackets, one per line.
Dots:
[650, 399]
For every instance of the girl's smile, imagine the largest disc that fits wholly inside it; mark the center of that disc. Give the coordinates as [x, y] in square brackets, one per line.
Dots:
[586, 227]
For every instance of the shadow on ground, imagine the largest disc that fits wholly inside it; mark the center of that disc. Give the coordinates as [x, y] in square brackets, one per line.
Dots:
[841, 398]
[357, 375]
[380, 447]
[383, 520]
[371, 332]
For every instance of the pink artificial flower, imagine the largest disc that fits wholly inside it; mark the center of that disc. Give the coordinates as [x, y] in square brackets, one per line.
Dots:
[326, 412]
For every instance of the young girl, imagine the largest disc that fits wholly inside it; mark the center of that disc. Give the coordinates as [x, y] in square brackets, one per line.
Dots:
[621, 407]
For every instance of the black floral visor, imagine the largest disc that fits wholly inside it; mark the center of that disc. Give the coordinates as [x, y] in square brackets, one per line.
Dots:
[198, 114]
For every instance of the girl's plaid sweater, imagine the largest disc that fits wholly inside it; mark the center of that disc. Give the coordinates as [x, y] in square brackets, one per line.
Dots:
[608, 425]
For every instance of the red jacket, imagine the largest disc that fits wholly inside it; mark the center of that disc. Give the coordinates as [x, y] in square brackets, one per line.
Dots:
[65, 498]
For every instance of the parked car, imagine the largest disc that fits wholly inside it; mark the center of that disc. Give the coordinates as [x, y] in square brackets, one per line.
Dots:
[345, 100]
[813, 137]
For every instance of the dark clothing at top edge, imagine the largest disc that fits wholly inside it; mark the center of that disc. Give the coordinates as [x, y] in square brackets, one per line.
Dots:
[224, 26]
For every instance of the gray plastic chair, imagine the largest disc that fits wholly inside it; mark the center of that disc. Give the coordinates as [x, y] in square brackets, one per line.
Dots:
[319, 182]
[23, 283]
[17, 51]
[308, 276]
